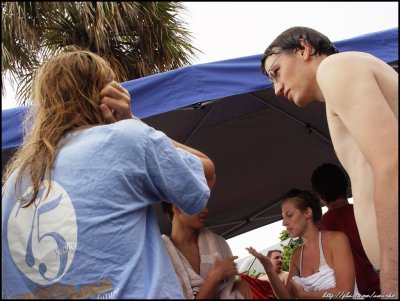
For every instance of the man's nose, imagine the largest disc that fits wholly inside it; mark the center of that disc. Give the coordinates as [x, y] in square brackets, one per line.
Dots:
[278, 89]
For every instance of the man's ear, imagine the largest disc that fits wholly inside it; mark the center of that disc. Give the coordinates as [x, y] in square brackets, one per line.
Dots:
[307, 50]
[322, 202]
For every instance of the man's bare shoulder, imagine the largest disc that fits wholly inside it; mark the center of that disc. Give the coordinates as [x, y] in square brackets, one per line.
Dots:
[353, 57]
[341, 63]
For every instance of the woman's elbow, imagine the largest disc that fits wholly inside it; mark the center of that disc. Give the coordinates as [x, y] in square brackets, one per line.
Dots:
[209, 172]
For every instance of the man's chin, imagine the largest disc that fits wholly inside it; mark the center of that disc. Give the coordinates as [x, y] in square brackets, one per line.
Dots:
[301, 102]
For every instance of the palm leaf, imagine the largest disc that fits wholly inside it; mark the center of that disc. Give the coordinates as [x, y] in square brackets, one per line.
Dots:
[137, 38]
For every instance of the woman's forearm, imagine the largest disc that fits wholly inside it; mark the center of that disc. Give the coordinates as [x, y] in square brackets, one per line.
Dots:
[208, 165]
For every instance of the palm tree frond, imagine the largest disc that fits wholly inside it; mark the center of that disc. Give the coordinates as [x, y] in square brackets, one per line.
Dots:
[137, 38]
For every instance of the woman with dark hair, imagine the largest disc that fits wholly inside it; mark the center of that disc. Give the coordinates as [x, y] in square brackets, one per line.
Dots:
[202, 259]
[323, 266]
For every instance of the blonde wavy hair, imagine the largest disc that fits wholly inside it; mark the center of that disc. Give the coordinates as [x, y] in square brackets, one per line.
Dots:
[65, 98]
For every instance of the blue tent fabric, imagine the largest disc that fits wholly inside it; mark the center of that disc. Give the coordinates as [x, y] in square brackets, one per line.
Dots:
[193, 84]
[12, 129]
[179, 88]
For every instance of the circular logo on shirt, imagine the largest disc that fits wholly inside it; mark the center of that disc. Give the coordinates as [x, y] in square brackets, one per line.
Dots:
[42, 238]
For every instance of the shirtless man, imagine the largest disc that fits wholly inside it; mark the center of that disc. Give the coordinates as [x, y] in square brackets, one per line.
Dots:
[276, 258]
[361, 96]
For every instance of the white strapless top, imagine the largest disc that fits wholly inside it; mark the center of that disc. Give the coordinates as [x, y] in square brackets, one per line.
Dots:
[324, 279]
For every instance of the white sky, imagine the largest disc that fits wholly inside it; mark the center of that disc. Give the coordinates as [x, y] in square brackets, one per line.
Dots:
[225, 30]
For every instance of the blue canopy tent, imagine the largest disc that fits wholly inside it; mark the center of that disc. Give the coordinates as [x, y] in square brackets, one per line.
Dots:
[262, 145]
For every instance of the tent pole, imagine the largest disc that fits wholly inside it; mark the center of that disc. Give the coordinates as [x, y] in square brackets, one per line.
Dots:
[307, 125]
[197, 126]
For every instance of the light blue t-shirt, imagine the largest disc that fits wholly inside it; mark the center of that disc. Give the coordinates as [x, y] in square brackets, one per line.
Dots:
[96, 234]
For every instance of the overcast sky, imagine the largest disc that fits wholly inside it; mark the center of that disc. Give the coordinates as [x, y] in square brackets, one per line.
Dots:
[225, 30]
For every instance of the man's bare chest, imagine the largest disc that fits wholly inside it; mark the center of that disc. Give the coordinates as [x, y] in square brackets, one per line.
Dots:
[345, 146]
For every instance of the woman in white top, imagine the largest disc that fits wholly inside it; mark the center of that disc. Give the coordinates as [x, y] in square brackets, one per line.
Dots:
[323, 266]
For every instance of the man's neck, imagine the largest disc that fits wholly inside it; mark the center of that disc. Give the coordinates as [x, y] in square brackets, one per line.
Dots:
[340, 202]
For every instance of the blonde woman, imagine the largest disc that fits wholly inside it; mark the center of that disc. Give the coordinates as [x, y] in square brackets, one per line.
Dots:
[77, 216]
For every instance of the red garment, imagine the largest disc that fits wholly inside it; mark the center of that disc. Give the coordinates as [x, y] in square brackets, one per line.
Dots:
[260, 289]
[342, 219]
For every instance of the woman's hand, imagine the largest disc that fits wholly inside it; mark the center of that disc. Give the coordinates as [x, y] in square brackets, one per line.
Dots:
[265, 261]
[225, 268]
[115, 102]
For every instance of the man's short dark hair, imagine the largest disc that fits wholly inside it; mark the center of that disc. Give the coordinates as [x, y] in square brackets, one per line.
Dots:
[290, 39]
[330, 182]
[269, 254]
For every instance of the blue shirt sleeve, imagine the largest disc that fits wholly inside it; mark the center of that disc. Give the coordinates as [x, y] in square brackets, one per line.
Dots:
[176, 175]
